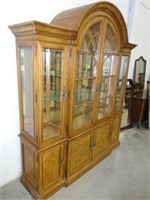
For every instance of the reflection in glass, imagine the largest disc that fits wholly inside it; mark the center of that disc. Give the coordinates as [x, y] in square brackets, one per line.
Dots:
[121, 81]
[27, 89]
[86, 71]
[52, 71]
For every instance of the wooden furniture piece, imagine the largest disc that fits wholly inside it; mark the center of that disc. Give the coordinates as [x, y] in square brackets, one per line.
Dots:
[139, 72]
[72, 76]
[139, 108]
[134, 88]
[148, 96]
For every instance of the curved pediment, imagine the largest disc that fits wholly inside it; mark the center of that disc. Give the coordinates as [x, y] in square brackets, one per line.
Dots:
[73, 19]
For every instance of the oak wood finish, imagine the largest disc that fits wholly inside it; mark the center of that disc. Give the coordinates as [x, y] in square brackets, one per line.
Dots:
[55, 152]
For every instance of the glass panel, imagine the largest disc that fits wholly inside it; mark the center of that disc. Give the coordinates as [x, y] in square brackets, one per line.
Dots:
[27, 89]
[121, 82]
[83, 91]
[86, 64]
[107, 86]
[83, 103]
[52, 71]
[109, 72]
[111, 42]
[85, 78]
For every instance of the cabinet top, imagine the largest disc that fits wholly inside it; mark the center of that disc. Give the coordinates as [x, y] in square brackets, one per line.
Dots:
[68, 24]
[73, 19]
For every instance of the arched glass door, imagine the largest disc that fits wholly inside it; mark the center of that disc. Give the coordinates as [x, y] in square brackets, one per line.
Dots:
[108, 80]
[85, 78]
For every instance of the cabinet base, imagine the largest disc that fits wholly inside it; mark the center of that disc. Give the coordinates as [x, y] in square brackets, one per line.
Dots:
[114, 145]
[43, 195]
[77, 175]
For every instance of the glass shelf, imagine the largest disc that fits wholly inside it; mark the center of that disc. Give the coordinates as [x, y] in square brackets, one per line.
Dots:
[53, 96]
[56, 74]
[85, 95]
[85, 74]
[85, 78]
[105, 95]
[108, 76]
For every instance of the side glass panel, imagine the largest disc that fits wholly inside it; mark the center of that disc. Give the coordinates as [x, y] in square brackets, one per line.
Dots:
[109, 75]
[122, 81]
[85, 78]
[27, 89]
[52, 76]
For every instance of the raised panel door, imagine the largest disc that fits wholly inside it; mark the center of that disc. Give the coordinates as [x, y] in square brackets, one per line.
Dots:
[30, 165]
[101, 141]
[115, 132]
[52, 163]
[79, 154]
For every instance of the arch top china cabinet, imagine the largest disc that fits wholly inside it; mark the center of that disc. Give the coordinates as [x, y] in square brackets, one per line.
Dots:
[72, 77]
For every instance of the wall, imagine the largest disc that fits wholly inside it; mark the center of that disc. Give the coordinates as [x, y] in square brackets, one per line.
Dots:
[140, 35]
[13, 12]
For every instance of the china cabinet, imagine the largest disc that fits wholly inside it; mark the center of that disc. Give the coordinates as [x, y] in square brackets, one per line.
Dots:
[71, 77]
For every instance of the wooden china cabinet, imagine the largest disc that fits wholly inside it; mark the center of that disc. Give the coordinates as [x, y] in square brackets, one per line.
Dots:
[72, 77]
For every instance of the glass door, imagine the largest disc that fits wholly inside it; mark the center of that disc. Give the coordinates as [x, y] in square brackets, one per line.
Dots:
[109, 72]
[121, 82]
[52, 95]
[85, 78]
[27, 89]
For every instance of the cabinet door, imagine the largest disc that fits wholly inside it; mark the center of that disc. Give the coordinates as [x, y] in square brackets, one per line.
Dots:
[121, 82]
[115, 132]
[79, 154]
[108, 75]
[26, 77]
[53, 93]
[29, 165]
[52, 167]
[85, 79]
[101, 141]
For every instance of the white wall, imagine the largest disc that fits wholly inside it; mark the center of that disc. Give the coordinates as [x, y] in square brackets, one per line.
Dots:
[12, 12]
[140, 35]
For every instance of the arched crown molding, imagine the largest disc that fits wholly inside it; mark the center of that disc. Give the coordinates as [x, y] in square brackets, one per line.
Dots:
[73, 19]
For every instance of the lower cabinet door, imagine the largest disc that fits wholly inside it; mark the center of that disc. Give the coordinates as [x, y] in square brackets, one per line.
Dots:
[101, 141]
[52, 167]
[79, 155]
[115, 133]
